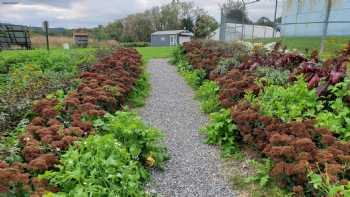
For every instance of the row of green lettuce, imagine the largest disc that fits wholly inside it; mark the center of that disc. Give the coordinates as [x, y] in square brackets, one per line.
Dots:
[278, 99]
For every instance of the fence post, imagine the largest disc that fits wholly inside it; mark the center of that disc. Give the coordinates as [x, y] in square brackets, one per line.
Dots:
[46, 29]
[275, 20]
[253, 32]
[325, 25]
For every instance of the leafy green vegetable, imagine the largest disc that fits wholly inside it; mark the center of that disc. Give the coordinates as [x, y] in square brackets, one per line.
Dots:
[324, 186]
[141, 140]
[262, 175]
[98, 166]
[222, 131]
[207, 94]
[293, 102]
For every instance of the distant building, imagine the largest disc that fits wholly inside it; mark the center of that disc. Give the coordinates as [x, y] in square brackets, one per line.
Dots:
[306, 17]
[170, 38]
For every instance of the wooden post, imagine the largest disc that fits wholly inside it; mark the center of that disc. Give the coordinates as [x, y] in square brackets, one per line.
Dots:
[46, 30]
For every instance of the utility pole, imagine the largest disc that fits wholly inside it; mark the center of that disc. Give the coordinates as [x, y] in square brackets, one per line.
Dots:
[325, 25]
[275, 20]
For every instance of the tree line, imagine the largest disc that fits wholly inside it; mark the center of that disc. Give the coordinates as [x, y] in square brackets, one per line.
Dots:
[173, 16]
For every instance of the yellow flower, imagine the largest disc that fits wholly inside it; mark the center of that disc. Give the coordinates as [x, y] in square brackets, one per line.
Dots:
[150, 161]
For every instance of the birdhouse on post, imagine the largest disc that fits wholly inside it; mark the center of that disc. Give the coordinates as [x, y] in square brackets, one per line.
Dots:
[81, 39]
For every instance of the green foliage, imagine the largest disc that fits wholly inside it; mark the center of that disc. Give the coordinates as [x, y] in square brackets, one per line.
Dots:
[273, 76]
[293, 102]
[140, 91]
[39, 71]
[194, 78]
[135, 44]
[98, 166]
[177, 56]
[205, 25]
[227, 64]
[10, 145]
[297, 102]
[222, 131]
[337, 114]
[141, 140]
[324, 187]
[207, 94]
[262, 171]
[57, 60]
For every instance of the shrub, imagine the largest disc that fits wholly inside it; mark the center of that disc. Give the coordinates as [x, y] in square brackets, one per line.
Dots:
[235, 85]
[208, 96]
[294, 147]
[222, 131]
[98, 166]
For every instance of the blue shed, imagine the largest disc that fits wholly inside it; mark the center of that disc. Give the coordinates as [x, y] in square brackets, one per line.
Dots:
[170, 38]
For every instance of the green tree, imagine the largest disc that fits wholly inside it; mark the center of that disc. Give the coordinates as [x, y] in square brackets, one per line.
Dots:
[235, 11]
[205, 26]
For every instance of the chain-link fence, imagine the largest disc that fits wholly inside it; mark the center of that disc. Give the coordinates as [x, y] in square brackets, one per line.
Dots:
[233, 31]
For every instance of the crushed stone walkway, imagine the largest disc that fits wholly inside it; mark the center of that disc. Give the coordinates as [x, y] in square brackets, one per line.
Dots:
[194, 168]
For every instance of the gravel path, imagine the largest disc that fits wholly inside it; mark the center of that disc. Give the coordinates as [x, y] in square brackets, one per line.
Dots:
[194, 168]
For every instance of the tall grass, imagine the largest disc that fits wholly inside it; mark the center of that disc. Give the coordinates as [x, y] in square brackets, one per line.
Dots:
[58, 41]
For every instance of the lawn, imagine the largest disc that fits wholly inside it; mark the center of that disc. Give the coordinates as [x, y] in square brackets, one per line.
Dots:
[155, 52]
[333, 43]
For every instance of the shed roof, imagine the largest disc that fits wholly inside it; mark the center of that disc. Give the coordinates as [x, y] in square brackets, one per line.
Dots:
[170, 32]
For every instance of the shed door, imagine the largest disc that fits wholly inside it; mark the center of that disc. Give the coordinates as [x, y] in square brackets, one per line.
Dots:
[172, 40]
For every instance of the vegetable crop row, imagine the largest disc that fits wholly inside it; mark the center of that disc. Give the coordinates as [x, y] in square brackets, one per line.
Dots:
[281, 116]
[61, 121]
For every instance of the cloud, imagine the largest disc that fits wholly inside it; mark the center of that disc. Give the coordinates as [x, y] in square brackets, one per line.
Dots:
[90, 13]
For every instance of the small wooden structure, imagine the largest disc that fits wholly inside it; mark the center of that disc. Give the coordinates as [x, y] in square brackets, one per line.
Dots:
[81, 39]
[14, 35]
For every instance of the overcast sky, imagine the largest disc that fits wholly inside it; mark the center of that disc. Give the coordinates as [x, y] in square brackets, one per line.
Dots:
[90, 13]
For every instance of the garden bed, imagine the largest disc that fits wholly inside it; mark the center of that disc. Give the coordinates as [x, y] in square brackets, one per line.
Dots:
[297, 121]
[48, 141]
